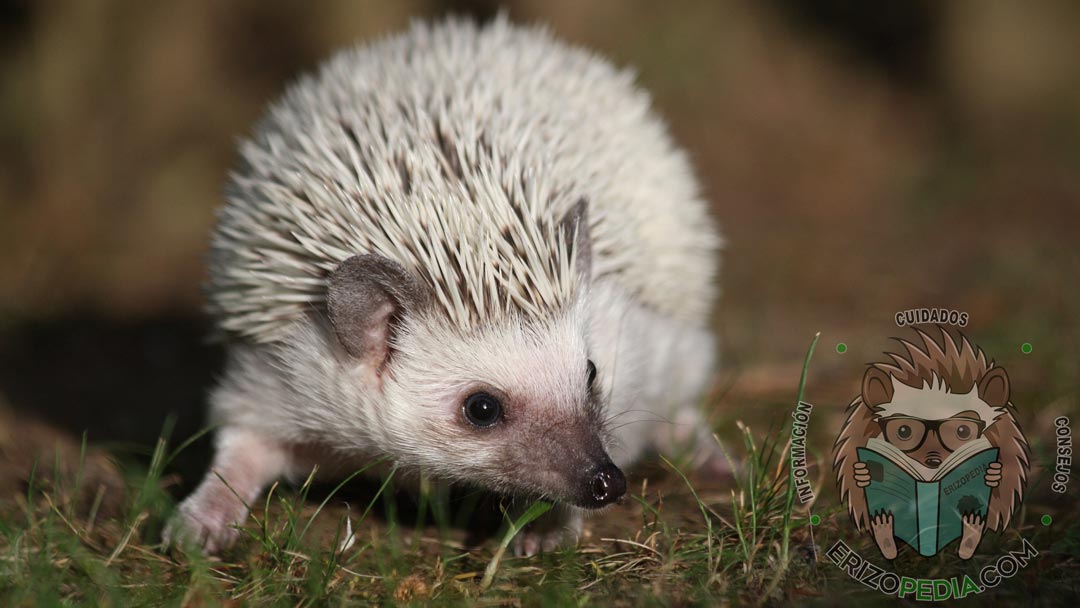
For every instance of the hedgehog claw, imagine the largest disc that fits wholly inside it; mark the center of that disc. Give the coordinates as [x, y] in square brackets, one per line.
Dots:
[547, 534]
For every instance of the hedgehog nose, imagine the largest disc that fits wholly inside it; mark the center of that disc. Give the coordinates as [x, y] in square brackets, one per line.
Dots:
[607, 485]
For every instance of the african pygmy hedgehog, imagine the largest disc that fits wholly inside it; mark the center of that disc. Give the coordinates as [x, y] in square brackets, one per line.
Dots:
[472, 249]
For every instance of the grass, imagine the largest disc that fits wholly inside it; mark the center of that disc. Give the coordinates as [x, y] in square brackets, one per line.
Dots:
[673, 541]
[295, 551]
[298, 551]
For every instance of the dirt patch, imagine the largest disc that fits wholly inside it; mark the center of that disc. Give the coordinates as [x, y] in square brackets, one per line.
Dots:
[54, 460]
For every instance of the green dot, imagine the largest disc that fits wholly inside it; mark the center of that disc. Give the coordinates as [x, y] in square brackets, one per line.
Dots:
[841, 348]
[815, 519]
[1025, 348]
[1046, 519]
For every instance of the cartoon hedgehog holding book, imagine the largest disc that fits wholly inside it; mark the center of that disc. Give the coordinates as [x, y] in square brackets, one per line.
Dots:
[936, 417]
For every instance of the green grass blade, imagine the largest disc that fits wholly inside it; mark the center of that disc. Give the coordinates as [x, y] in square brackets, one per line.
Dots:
[789, 497]
[536, 510]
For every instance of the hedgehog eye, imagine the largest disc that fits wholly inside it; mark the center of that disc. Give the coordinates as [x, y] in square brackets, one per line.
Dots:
[482, 410]
[963, 431]
[591, 371]
[904, 432]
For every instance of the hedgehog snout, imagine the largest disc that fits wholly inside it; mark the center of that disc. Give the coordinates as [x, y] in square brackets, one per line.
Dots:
[586, 475]
[606, 485]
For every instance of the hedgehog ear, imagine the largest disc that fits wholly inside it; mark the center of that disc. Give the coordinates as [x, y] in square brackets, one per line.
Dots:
[575, 225]
[363, 296]
[994, 387]
[877, 387]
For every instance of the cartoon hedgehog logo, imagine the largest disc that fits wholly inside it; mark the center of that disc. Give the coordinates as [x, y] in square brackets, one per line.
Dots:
[931, 449]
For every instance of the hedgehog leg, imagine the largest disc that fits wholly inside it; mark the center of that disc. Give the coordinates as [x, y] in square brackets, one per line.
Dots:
[243, 466]
[561, 525]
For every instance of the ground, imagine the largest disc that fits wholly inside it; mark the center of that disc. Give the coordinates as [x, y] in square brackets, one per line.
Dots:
[91, 533]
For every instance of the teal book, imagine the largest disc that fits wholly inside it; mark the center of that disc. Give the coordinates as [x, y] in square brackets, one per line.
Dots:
[928, 504]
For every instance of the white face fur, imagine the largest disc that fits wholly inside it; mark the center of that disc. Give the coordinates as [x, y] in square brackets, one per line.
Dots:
[548, 437]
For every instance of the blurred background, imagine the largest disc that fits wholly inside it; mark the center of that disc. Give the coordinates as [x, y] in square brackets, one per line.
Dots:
[862, 158]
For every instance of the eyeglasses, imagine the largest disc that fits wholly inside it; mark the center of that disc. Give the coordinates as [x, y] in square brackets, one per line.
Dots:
[909, 434]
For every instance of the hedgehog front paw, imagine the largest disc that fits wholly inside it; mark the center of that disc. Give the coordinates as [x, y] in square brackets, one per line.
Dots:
[207, 525]
[530, 542]
[559, 527]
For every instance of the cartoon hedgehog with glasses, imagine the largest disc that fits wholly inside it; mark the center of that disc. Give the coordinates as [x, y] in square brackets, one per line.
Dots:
[928, 402]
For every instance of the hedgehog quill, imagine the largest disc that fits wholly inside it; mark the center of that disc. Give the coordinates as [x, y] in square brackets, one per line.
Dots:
[471, 249]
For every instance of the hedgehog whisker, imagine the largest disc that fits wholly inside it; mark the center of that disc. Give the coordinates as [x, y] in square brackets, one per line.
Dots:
[615, 357]
[656, 417]
[629, 422]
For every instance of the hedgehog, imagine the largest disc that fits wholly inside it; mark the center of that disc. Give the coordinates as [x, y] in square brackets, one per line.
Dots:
[470, 249]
